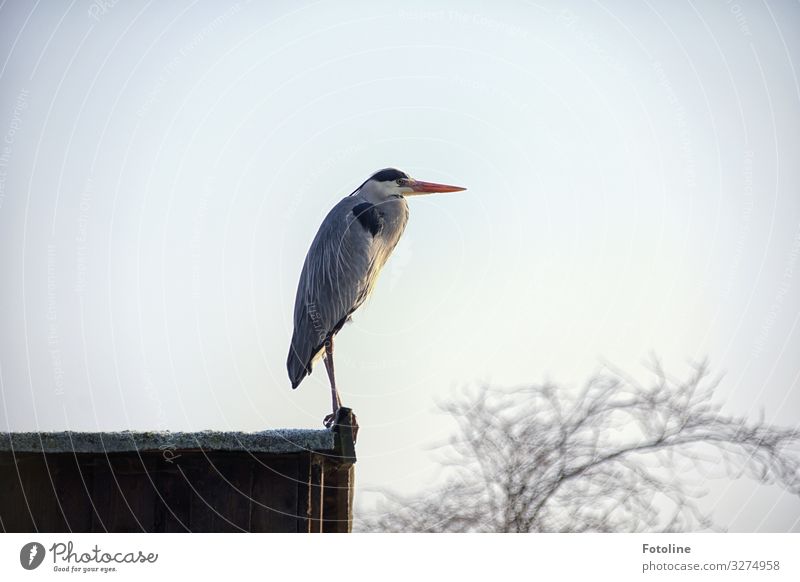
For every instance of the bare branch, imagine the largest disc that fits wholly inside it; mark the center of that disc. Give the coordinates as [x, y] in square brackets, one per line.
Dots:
[611, 456]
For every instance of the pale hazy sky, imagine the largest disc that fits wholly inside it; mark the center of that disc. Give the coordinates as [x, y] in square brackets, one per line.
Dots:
[634, 188]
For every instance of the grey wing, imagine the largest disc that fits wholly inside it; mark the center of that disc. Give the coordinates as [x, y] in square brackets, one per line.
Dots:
[335, 280]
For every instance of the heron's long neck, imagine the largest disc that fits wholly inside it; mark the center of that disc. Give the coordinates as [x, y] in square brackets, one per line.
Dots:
[395, 216]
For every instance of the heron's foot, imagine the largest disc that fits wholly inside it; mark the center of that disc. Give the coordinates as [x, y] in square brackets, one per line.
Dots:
[330, 421]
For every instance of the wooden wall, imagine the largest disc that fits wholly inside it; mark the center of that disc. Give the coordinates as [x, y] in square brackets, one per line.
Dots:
[193, 491]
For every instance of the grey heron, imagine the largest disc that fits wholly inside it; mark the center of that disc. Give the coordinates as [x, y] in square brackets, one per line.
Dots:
[342, 267]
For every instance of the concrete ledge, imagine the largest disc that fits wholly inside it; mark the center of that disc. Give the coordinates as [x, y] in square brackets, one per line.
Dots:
[269, 441]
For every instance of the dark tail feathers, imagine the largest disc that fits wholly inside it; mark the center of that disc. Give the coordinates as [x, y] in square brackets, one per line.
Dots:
[296, 367]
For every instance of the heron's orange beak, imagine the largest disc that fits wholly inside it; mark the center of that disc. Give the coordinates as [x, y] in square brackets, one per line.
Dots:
[421, 187]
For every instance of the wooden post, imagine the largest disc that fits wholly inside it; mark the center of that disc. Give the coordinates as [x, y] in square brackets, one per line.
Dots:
[340, 475]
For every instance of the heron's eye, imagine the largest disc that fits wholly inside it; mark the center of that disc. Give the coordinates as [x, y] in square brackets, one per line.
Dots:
[400, 182]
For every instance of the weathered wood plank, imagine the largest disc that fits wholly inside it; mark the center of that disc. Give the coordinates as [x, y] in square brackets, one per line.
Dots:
[275, 495]
[337, 499]
[316, 485]
[304, 493]
[74, 476]
[18, 505]
[38, 481]
[221, 485]
[175, 497]
[122, 493]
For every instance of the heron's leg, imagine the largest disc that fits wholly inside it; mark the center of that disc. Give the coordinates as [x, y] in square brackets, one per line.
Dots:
[336, 403]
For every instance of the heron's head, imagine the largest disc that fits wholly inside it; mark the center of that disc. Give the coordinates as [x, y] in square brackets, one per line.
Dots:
[388, 183]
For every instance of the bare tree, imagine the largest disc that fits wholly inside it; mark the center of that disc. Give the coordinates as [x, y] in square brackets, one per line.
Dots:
[612, 456]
